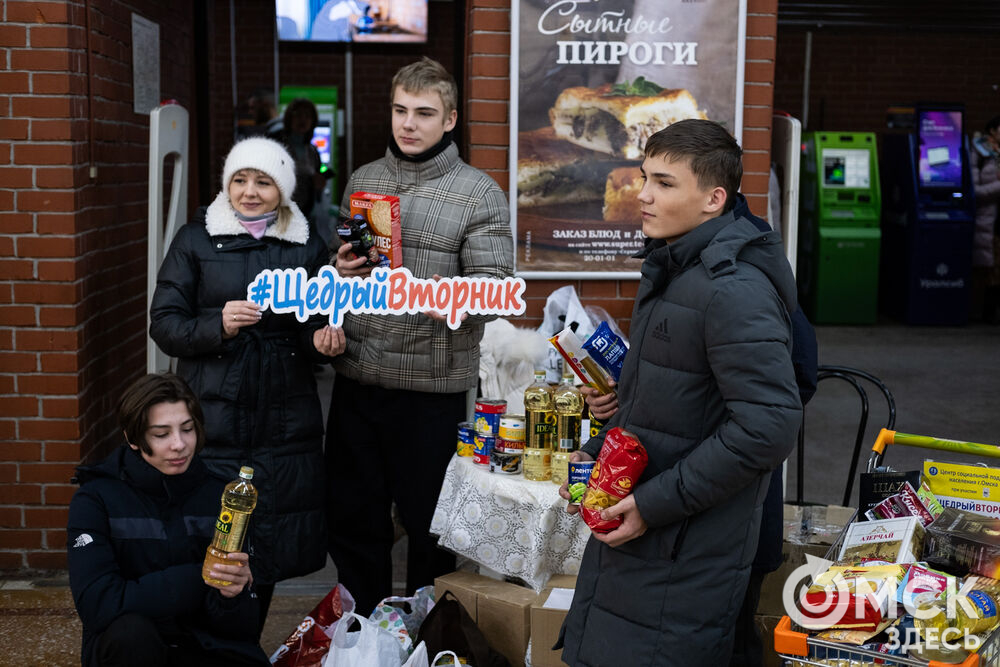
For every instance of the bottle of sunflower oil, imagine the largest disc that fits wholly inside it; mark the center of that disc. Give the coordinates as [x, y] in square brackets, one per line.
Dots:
[569, 406]
[238, 500]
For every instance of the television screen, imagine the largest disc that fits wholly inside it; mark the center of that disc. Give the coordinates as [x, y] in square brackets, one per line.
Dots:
[846, 168]
[939, 136]
[352, 20]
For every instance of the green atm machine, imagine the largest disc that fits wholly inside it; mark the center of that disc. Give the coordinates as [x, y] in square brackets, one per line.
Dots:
[839, 231]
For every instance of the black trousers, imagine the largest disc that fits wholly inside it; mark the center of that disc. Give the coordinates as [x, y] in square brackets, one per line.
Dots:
[133, 640]
[386, 445]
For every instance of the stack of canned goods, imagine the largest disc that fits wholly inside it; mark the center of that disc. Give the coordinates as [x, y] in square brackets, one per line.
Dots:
[489, 411]
[509, 448]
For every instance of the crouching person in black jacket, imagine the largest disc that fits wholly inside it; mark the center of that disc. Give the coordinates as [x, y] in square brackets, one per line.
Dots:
[138, 529]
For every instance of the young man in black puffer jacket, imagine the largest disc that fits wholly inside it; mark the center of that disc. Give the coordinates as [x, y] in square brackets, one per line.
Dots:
[709, 388]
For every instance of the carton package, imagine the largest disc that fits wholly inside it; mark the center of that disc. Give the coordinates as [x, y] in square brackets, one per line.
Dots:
[890, 540]
[502, 610]
[383, 217]
[963, 541]
[808, 530]
[547, 615]
[874, 487]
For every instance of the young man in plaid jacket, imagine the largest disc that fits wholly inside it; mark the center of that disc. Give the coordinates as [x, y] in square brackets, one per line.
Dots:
[401, 384]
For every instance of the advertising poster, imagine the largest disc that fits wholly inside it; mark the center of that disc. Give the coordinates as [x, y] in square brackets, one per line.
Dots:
[591, 80]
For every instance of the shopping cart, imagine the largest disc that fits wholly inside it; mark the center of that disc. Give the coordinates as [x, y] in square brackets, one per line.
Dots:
[796, 647]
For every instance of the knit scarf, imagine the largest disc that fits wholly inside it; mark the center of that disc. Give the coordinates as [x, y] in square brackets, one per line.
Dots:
[256, 225]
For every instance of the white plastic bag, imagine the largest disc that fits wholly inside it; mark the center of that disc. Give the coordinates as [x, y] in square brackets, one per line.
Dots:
[370, 647]
[562, 309]
[419, 657]
[447, 654]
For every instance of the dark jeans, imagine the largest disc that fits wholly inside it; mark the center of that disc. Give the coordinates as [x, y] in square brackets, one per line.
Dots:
[748, 649]
[133, 640]
[264, 594]
[386, 445]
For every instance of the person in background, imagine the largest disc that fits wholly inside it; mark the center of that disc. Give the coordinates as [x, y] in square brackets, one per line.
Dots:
[136, 538]
[985, 245]
[252, 369]
[401, 386]
[709, 388]
[299, 121]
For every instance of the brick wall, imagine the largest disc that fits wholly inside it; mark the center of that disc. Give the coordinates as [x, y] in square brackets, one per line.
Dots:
[487, 111]
[72, 249]
[855, 75]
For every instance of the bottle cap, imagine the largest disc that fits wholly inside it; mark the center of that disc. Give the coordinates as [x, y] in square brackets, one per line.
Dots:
[246, 472]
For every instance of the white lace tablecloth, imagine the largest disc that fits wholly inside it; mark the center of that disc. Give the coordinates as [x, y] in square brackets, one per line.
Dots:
[516, 527]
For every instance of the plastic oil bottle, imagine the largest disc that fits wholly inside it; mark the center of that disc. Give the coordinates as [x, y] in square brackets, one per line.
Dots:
[238, 500]
[568, 403]
[539, 428]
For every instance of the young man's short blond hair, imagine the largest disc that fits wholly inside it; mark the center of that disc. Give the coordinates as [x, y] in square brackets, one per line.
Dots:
[424, 75]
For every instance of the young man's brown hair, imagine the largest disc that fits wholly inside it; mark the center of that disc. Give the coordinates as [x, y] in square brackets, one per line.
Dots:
[427, 74]
[712, 153]
[143, 394]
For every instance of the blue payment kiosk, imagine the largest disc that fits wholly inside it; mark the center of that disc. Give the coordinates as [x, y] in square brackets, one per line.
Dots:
[928, 219]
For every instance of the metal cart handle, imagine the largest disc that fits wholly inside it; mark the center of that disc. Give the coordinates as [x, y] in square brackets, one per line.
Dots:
[887, 437]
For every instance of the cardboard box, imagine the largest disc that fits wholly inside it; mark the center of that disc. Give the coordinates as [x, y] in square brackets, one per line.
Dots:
[547, 616]
[766, 626]
[501, 610]
[808, 530]
[382, 214]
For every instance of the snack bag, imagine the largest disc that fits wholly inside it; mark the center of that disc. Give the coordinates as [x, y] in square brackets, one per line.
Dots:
[607, 349]
[381, 212]
[616, 471]
[308, 645]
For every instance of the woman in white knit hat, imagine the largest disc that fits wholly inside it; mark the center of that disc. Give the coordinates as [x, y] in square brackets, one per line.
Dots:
[252, 370]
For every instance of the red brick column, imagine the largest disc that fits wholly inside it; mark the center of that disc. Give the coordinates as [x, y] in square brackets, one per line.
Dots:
[488, 114]
[72, 248]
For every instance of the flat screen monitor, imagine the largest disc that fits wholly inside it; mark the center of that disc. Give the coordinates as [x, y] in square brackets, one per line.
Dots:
[321, 140]
[379, 21]
[846, 168]
[939, 137]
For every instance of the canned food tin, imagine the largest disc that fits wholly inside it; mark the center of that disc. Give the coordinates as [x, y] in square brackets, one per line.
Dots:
[537, 463]
[505, 445]
[481, 459]
[483, 444]
[579, 474]
[506, 463]
[466, 433]
[512, 427]
[488, 414]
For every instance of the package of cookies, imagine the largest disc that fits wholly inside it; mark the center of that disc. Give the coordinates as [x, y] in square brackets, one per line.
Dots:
[382, 215]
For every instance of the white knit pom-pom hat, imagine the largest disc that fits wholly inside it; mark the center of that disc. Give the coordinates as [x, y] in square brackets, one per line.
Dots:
[264, 155]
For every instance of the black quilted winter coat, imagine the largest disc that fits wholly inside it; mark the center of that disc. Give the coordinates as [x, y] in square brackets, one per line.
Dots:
[136, 540]
[709, 388]
[257, 389]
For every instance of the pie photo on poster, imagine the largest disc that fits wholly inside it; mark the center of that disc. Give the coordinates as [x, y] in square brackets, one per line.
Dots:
[617, 119]
[554, 171]
[621, 195]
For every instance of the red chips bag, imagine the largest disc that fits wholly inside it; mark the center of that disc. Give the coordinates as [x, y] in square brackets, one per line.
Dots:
[310, 642]
[618, 468]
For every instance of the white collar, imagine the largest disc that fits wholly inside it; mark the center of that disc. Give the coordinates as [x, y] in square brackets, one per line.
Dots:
[221, 220]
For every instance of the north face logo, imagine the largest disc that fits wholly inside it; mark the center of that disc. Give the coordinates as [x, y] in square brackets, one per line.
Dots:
[660, 331]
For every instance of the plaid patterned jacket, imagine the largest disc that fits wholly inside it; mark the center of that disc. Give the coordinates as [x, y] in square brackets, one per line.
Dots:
[455, 222]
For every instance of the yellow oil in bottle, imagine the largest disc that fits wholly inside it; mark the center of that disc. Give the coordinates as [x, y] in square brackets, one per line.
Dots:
[238, 501]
